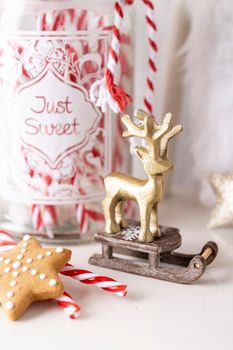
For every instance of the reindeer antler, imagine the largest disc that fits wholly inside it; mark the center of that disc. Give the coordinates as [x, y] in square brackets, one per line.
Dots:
[134, 129]
[164, 142]
[157, 136]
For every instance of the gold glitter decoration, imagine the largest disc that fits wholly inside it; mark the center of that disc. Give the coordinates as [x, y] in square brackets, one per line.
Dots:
[222, 185]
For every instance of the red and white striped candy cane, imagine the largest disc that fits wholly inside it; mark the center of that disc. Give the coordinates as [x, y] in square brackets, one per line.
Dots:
[82, 218]
[85, 214]
[88, 277]
[44, 217]
[6, 241]
[69, 305]
[37, 220]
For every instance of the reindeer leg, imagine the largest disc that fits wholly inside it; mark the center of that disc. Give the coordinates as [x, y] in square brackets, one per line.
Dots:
[154, 227]
[109, 207]
[145, 213]
[120, 217]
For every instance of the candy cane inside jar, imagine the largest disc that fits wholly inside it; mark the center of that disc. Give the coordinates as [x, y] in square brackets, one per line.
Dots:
[57, 143]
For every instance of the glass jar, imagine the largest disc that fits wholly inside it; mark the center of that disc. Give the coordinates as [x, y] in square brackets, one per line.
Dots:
[56, 145]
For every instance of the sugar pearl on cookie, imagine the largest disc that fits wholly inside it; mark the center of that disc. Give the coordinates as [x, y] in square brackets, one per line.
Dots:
[7, 261]
[7, 269]
[39, 257]
[9, 305]
[15, 274]
[34, 272]
[42, 276]
[1, 258]
[17, 264]
[48, 253]
[29, 260]
[23, 250]
[27, 238]
[25, 268]
[13, 283]
[19, 256]
[59, 250]
[52, 282]
[25, 244]
[10, 294]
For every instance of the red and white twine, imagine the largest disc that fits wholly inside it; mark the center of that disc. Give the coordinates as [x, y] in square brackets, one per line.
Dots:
[106, 93]
[153, 50]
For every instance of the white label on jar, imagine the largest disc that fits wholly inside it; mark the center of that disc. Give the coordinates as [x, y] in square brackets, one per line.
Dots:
[56, 141]
[54, 117]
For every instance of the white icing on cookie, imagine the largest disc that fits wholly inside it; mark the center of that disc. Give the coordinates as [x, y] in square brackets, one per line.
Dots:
[25, 244]
[23, 250]
[9, 305]
[17, 264]
[43, 276]
[1, 258]
[34, 272]
[19, 256]
[27, 238]
[29, 260]
[48, 253]
[39, 256]
[59, 250]
[10, 294]
[13, 283]
[7, 269]
[52, 282]
[25, 268]
[7, 261]
[15, 274]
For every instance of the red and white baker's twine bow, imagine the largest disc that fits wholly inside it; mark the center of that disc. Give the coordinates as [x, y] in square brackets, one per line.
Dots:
[87, 277]
[106, 93]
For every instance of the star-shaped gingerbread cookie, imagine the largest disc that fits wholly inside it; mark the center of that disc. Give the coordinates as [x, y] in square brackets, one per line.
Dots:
[222, 185]
[29, 273]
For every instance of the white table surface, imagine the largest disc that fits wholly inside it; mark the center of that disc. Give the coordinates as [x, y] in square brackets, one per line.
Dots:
[154, 315]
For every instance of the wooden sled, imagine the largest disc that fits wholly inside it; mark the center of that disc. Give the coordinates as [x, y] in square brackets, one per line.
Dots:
[156, 258]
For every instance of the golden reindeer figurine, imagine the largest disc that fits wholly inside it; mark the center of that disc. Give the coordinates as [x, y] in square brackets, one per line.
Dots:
[147, 193]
